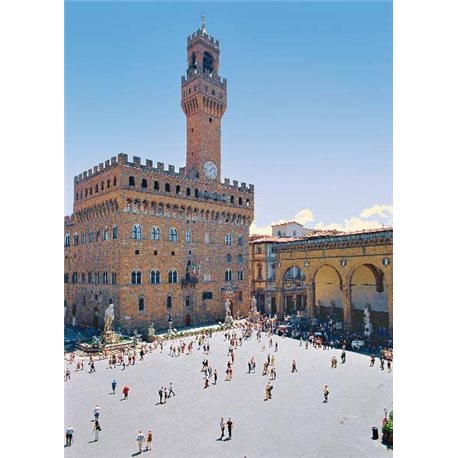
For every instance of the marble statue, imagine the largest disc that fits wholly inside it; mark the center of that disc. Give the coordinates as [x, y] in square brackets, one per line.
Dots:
[367, 321]
[254, 304]
[227, 305]
[109, 317]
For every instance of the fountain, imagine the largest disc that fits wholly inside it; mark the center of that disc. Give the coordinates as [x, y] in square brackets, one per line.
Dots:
[109, 340]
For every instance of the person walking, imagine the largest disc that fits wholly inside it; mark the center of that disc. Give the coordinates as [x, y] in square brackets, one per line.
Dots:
[222, 425]
[215, 376]
[372, 360]
[113, 386]
[96, 430]
[97, 412]
[206, 382]
[140, 440]
[293, 366]
[149, 440]
[229, 428]
[69, 436]
[160, 395]
[343, 357]
[326, 393]
[171, 390]
[388, 365]
[125, 392]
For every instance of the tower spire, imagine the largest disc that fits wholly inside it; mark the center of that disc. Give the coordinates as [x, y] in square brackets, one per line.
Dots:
[204, 30]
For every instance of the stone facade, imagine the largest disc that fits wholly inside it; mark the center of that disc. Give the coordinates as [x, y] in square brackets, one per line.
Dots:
[326, 275]
[163, 243]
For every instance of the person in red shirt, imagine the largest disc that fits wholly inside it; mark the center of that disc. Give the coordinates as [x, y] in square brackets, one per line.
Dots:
[125, 391]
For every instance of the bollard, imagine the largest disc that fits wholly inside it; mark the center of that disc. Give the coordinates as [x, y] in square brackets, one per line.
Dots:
[374, 433]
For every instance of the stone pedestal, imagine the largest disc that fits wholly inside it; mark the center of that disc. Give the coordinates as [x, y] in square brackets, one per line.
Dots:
[110, 337]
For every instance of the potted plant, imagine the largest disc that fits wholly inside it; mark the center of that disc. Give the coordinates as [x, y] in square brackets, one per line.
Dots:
[387, 430]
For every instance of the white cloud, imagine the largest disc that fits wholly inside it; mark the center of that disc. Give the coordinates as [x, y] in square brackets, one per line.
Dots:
[385, 211]
[264, 230]
[351, 224]
[304, 216]
[354, 223]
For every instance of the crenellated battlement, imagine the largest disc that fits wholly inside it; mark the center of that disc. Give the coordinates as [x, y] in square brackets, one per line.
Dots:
[204, 37]
[148, 166]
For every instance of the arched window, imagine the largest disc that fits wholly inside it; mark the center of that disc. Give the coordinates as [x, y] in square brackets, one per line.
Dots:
[188, 191]
[278, 233]
[228, 275]
[173, 276]
[136, 277]
[248, 202]
[155, 277]
[207, 62]
[240, 201]
[108, 183]
[228, 258]
[105, 278]
[240, 240]
[105, 235]
[144, 183]
[131, 181]
[169, 302]
[259, 268]
[137, 232]
[167, 187]
[114, 233]
[67, 240]
[96, 188]
[196, 193]
[177, 189]
[155, 233]
[239, 258]
[228, 239]
[66, 276]
[75, 239]
[188, 236]
[232, 199]
[207, 277]
[173, 234]
[102, 185]
[114, 181]
[83, 238]
[240, 275]
[156, 185]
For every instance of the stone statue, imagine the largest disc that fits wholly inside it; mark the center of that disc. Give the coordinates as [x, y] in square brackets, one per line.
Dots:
[227, 305]
[253, 304]
[367, 321]
[151, 330]
[109, 317]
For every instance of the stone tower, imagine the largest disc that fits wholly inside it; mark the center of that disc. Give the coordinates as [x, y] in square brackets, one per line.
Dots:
[203, 99]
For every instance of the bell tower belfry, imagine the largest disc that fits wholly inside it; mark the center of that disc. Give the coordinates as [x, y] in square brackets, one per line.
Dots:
[203, 99]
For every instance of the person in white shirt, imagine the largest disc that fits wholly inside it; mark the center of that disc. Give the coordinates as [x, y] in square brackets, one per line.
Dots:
[140, 440]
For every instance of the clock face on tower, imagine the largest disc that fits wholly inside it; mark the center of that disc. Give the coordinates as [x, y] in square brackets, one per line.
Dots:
[210, 170]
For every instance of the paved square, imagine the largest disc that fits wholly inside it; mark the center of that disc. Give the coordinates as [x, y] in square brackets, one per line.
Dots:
[295, 423]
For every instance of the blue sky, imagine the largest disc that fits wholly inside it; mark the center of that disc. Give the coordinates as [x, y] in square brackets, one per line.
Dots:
[309, 117]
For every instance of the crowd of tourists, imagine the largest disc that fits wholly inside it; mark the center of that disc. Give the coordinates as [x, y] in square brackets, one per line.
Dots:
[262, 330]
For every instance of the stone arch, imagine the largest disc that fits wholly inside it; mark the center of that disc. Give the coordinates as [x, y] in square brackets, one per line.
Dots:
[367, 287]
[328, 285]
[293, 290]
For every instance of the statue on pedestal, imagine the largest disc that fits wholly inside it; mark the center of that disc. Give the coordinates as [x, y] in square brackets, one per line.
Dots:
[253, 305]
[227, 305]
[109, 317]
[109, 336]
[367, 321]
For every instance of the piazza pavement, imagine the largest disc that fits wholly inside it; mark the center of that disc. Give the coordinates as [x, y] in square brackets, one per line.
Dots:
[295, 423]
